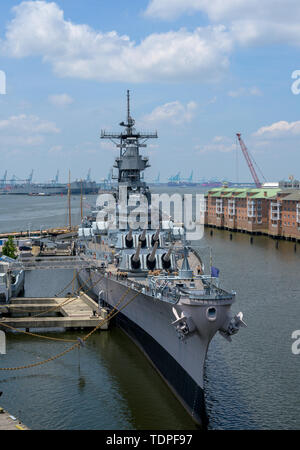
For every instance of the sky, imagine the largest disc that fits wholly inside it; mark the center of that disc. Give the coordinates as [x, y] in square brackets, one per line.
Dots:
[198, 71]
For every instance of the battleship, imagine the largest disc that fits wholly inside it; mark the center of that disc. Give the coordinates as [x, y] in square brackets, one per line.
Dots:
[172, 307]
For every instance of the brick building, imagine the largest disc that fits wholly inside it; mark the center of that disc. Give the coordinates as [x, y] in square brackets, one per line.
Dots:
[285, 215]
[270, 211]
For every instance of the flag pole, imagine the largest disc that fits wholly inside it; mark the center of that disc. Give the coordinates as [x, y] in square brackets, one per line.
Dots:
[210, 259]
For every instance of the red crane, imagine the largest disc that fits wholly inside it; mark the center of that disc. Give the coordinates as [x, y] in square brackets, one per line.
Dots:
[249, 161]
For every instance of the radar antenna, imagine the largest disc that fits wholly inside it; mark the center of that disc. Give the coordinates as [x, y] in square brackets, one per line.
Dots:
[130, 163]
[130, 121]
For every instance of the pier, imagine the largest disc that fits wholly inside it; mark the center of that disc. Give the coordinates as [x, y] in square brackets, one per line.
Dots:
[60, 262]
[64, 232]
[75, 312]
[9, 422]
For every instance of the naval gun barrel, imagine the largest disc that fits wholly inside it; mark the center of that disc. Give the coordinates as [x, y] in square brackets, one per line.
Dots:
[129, 239]
[135, 259]
[142, 238]
[166, 259]
[155, 238]
[151, 261]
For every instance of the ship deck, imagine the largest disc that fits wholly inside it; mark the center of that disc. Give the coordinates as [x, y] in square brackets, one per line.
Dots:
[115, 272]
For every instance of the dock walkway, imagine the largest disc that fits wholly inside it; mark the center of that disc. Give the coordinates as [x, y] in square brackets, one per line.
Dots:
[62, 232]
[9, 422]
[30, 262]
[76, 312]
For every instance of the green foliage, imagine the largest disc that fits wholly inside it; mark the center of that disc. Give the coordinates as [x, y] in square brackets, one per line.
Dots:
[9, 249]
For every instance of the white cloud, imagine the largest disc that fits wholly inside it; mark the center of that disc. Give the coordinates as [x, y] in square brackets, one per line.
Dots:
[279, 129]
[221, 144]
[39, 29]
[28, 124]
[236, 93]
[174, 112]
[249, 22]
[212, 101]
[255, 91]
[24, 131]
[61, 99]
[171, 9]
[245, 91]
[220, 10]
[20, 141]
[56, 149]
[79, 51]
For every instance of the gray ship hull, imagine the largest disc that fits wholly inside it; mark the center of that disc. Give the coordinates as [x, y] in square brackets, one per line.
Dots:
[148, 322]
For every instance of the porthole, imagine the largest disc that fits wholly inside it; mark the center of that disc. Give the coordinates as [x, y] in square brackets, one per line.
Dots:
[211, 313]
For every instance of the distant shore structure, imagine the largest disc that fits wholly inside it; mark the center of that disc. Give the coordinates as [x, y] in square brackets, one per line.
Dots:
[268, 210]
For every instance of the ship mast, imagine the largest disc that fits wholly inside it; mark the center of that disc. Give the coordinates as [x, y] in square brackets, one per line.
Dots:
[129, 119]
[69, 200]
[130, 163]
[81, 201]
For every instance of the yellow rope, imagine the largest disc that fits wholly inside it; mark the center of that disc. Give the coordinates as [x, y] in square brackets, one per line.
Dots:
[53, 308]
[73, 281]
[112, 314]
[71, 299]
[36, 335]
[56, 295]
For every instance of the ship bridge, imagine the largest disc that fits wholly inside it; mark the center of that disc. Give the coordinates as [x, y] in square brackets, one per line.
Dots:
[130, 163]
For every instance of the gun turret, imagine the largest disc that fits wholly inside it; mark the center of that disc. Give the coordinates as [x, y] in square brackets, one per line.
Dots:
[155, 238]
[142, 239]
[129, 239]
[151, 261]
[166, 259]
[135, 259]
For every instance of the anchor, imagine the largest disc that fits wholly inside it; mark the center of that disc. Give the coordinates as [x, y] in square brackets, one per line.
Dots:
[184, 325]
[233, 326]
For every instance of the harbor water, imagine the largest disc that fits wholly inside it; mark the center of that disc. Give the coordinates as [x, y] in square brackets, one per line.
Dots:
[250, 383]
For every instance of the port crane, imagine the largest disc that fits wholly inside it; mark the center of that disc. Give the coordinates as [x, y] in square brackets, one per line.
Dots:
[107, 182]
[190, 178]
[176, 178]
[3, 180]
[16, 180]
[55, 181]
[250, 161]
[29, 180]
[88, 178]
